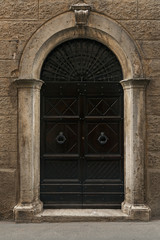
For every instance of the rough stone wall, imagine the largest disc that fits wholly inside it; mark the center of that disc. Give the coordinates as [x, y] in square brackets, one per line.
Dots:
[19, 19]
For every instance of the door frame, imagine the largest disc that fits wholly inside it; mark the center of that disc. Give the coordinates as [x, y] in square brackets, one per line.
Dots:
[47, 37]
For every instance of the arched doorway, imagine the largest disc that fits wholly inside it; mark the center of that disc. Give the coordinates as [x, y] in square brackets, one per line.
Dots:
[82, 127]
[134, 83]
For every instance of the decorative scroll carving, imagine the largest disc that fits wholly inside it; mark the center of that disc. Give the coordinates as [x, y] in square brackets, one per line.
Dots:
[81, 11]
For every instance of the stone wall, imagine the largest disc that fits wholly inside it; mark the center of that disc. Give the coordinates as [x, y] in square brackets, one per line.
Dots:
[19, 19]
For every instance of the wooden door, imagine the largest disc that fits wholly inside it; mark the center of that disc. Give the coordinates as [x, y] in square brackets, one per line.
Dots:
[81, 127]
[82, 145]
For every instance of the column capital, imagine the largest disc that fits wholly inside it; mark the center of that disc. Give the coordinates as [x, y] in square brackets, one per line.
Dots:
[135, 83]
[29, 83]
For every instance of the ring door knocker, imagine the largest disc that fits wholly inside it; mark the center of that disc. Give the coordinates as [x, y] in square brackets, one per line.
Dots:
[60, 138]
[102, 139]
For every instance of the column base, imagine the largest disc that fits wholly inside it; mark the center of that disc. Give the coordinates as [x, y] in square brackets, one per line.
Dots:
[24, 213]
[138, 212]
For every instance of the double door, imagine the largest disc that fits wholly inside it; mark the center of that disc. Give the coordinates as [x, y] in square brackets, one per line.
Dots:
[82, 145]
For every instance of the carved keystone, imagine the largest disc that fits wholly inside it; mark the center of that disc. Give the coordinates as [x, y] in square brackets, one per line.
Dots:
[81, 11]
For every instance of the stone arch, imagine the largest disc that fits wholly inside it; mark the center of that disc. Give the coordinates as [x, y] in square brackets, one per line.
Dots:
[48, 36]
[62, 28]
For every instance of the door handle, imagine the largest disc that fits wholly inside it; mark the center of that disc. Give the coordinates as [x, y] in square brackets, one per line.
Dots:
[102, 139]
[60, 138]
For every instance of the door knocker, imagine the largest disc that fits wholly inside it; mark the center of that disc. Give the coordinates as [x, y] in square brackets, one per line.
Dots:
[102, 139]
[60, 138]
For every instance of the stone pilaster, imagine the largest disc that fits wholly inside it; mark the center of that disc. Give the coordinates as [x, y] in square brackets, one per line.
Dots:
[28, 149]
[134, 142]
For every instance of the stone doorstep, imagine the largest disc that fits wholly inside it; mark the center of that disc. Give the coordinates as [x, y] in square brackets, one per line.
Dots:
[81, 215]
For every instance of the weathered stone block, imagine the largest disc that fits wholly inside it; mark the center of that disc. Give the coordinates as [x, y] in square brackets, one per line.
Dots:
[21, 30]
[8, 68]
[5, 92]
[7, 193]
[151, 68]
[154, 142]
[8, 142]
[150, 49]
[154, 205]
[154, 69]
[154, 185]
[8, 124]
[19, 9]
[146, 68]
[116, 9]
[8, 106]
[148, 9]
[11, 49]
[123, 9]
[142, 29]
[7, 87]
[6, 82]
[8, 159]
[154, 160]
[152, 103]
[48, 9]
[154, 87]
[153, 124]
[153, 191]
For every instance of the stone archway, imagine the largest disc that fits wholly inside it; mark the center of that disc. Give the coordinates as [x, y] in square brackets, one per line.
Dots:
[55, 31]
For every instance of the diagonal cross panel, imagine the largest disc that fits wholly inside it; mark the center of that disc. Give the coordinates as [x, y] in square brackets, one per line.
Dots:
[103, 106]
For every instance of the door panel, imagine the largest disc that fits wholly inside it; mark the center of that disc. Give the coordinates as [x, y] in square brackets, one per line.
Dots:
[61, 106]
[82, 145]
[61, 138]
[61, 169]
[102, 106]
[102, 138]
[99, 169]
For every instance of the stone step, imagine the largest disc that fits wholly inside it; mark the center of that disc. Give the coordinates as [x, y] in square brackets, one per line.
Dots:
[81, 215]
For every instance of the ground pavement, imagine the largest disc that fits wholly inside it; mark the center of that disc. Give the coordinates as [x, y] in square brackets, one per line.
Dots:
[81, 231]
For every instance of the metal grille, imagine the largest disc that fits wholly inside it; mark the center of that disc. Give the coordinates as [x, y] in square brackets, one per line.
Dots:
[81, 60]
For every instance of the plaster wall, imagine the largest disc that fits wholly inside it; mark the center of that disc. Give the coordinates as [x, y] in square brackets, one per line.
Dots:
[19, 20]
